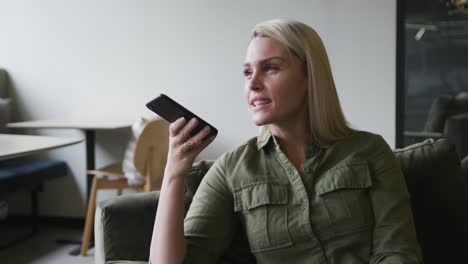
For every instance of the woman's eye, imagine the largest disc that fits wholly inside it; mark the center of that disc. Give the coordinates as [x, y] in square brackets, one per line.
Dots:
[270, 67]
[247, 73]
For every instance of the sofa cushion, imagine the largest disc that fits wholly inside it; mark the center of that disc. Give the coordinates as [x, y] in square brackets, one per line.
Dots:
[138, 210]
[25, 174]
[127, 219]
[439, 199]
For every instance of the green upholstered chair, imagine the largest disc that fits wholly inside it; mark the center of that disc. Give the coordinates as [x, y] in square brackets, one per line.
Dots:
[439, 197]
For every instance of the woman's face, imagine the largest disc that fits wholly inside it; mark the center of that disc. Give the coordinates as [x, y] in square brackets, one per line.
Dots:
[275, 83]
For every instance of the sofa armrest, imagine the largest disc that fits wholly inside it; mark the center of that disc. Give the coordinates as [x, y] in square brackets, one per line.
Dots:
[418, 136]
[123, 227]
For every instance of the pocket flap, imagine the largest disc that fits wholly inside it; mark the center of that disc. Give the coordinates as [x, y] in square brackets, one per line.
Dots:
[348, 176]
[260, 194]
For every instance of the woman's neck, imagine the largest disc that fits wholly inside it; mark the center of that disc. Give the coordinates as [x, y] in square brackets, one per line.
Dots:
[292, 140]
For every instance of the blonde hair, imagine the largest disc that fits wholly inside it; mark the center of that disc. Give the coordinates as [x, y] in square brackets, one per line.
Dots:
[327, 121]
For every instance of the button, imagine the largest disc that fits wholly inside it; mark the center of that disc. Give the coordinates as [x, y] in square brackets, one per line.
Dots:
[304, 205]
[305, 169]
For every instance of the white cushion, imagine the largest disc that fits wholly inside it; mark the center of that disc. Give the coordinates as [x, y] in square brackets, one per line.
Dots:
[128, 167]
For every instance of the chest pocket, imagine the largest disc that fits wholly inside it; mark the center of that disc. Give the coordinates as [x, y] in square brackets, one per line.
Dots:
[344, 193]
[263, 209]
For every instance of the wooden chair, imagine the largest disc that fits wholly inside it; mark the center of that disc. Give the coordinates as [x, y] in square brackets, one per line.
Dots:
[149, 159]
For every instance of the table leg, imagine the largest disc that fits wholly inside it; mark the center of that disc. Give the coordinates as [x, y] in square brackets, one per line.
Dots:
[90, 136]
[90, 159]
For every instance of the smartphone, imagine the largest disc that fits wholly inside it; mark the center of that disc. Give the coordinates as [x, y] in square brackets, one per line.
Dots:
[170, 110]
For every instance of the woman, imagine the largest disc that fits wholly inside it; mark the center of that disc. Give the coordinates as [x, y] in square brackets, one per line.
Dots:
[308, 189]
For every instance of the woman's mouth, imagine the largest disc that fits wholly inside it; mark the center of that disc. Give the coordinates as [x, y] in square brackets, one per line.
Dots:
[259, 103]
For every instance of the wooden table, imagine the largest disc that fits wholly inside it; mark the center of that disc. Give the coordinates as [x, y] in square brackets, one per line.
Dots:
[89, 126]
[12, 146]
[83, 124]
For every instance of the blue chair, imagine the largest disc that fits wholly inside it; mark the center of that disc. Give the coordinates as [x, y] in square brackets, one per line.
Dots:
[29, 175]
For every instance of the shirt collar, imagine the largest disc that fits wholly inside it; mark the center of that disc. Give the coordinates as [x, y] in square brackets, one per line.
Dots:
[265, 137]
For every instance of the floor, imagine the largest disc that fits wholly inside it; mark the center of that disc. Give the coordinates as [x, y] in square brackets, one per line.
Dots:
[43, 247]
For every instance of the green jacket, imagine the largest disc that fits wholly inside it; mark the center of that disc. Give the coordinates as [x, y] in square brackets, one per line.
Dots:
[347, 204]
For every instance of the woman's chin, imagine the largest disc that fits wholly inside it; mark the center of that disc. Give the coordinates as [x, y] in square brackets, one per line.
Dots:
[259, 121]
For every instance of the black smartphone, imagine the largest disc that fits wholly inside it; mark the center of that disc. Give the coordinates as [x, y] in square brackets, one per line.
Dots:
[170, 110]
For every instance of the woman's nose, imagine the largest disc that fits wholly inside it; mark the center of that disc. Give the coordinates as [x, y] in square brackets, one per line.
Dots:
[255, 82]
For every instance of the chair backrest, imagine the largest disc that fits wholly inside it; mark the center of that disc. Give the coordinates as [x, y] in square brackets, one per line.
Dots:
[439, 199]
[151, 149]
[444, 107]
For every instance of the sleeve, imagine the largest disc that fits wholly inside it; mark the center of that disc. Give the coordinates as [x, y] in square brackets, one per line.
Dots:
[394, 237]
[209, 225]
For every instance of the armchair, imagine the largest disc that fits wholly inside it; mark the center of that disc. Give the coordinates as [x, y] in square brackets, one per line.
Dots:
[447, 118]
[439, 195]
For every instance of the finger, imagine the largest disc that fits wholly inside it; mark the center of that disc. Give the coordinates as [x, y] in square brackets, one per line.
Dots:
[198, 138]
[175, 126]
[184, 132]
[198, 148]
[207, 142]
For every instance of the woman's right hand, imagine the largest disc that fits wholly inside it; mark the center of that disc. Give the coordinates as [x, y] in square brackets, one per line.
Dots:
[179, 162]
[168, 243]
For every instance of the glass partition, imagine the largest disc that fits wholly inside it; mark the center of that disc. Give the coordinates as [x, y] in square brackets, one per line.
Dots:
[432, 72]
